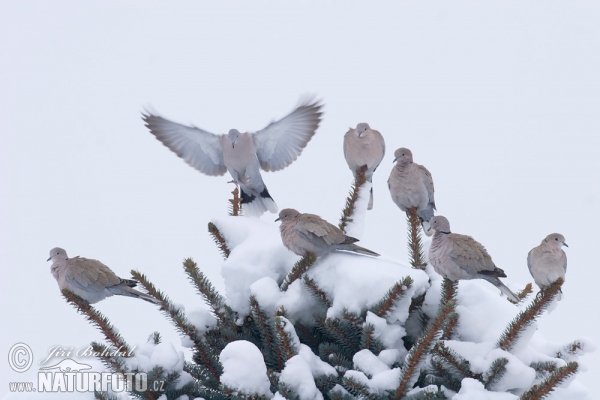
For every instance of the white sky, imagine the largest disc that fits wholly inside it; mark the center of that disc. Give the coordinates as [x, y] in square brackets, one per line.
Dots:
[499, 100]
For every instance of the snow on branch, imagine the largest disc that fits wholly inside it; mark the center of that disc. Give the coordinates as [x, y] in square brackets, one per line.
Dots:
[544, 388]
[204, 354]
[299, 268]
[526, 317]
[395, 293]
[495, 372]
[421, 348]
[319, 294]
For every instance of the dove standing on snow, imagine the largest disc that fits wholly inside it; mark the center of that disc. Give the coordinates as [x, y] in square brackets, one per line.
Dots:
[457, 257]
[364, 146]
[90, 279]
[411, 186]
[309, 233]
[548, 262]
[243, 154]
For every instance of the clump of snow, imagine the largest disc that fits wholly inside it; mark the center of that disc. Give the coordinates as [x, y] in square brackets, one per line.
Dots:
[301, 370]
[244, 369]
[368, 363]
[202, 319]
[472, 389]
[390, 335]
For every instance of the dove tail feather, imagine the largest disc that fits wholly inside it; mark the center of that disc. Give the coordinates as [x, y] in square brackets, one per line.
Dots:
[496, 282]
[127, 291]
[360, 250]
[256, 205]
[370, 206]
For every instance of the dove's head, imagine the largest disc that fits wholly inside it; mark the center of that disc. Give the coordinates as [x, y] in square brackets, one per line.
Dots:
[362, 128]
[58, 254]
[403, 156]
[440, 224]
[555, 240]
[233, 136]
[287, 214]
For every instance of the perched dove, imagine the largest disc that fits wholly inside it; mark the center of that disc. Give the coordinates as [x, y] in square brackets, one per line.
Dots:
[90, 279]
[364, 146]
[457, 257]
[242, 154]
[411, 186]
[309, 233]
[548, 262]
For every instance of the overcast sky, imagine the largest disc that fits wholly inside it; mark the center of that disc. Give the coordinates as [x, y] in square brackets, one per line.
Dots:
[499, 100]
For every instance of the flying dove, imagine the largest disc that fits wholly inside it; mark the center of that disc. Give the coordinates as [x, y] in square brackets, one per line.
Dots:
[457, 257]
[242, 154]
[411, 186]
[364, 146]
[548, 262]
[90, 279]
[309, 233]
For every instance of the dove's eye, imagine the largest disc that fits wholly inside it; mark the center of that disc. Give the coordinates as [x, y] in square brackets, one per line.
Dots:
[555, 238]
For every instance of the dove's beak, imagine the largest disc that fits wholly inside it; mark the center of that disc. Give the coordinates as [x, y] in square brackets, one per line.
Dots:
[278, 219]
[49, 258]
[564, 244]
[395, 159]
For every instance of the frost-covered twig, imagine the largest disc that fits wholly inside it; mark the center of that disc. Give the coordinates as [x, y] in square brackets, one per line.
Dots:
[395, 293]
[96, 318]
[421, 348]
[349, 208]
[543, 368]
[415, 243]
[284, 339]
[527, 317]
[299, 268]
[204, 355]
[541, 390]
[218, 239]
[453, 359]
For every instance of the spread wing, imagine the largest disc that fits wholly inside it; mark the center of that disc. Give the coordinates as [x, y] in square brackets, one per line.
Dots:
[90, 274]
[199, 148]
[469, 254]
[281, 142]
[428, 181]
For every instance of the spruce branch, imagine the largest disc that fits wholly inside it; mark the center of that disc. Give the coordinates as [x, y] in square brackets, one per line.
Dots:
[299, 268]
[358, 389]
[415, 241]
[273, 354]
[449, 291]
[526, 317]
[527, 290]
[350, 206]
[96, 318]
[427, 395]
[543, 368]
[392, 296]
[345, 334]
[495, 373]
[318, 294]
[336, 356]
[544, 388]
[442, 376]
[234, 206]
[307, 337]
[572, 349]
[204, 355]
[421, 348]
[368, 341]
[219, 239]
[285, 339]
[205, 288]
[451, 358]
